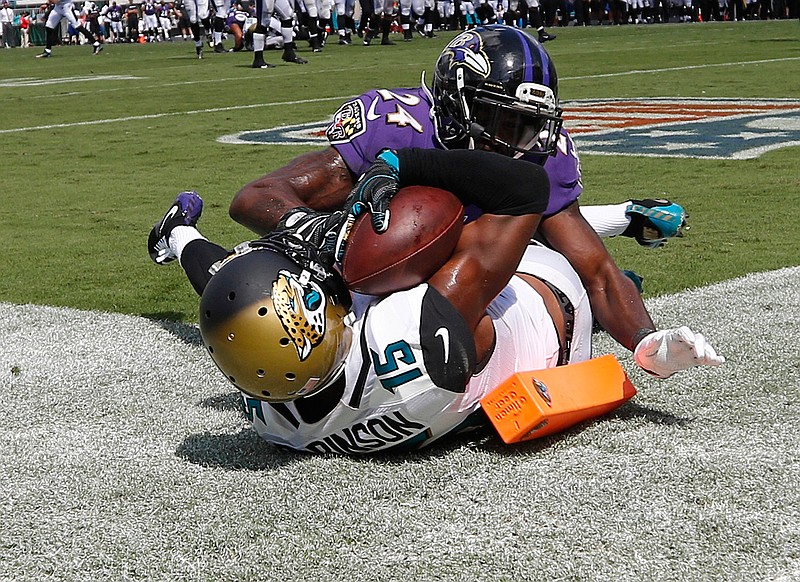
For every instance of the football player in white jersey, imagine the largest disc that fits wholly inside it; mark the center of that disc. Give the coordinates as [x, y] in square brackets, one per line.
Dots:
[344, 19]
[198, 13]
[65, 9]
[309, 15]
[380, 21]
[325, 371]
[265, 9]
[221, 10]
[447, 14]
[406, 7]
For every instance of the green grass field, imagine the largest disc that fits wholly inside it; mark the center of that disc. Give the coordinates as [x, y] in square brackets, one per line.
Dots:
[95, 148]
[124, 454]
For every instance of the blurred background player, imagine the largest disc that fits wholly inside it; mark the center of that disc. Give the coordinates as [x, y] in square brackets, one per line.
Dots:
[447, 14]
[164, 12]
[91, 13]
[265, 9]
[309, 16]
[380, 21]
[150, 20]
[112, 15]
[65, 9]
[132, 17]
[198, 14]
[221, 10]
[346, 26]
[237, 24]
[182, 18]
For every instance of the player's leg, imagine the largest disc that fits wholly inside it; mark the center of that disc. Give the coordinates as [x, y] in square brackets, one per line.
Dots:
[222, 7]
[175, 237]
[51, 32]
[264, 10]
[285, 12]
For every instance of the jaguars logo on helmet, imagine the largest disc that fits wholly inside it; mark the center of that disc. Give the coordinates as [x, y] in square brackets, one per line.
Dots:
[301, 310]
[273, 319]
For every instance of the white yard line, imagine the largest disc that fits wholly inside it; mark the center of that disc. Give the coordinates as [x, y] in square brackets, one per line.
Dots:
[342, 98]
[684, 68]
[171, 114]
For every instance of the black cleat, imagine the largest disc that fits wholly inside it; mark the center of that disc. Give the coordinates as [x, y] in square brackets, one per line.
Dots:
[291, 57]
[262, 64]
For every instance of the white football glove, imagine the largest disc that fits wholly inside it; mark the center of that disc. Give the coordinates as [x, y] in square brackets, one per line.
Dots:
[662, 353]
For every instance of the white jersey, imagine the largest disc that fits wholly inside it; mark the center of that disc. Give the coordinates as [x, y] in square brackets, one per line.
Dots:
[407, 379]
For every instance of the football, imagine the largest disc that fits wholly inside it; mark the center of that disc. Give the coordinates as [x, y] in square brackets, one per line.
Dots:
[424, 226]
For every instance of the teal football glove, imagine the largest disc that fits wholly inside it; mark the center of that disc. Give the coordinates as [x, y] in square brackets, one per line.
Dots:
[654, 221]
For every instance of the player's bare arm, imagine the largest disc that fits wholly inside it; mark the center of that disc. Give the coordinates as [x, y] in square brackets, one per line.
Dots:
[513, 193]
[485, 258]
[616, 303]
[318, 180]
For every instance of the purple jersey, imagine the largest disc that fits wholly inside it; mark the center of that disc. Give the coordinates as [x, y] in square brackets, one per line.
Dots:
[402, 118]
[564, 171]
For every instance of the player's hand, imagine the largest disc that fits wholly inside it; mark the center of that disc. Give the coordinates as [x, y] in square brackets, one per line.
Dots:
[662, 353]
[375, 189]
[325, 230]
[654, 221]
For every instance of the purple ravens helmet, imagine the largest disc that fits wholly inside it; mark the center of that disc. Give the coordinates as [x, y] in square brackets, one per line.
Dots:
[495, 87]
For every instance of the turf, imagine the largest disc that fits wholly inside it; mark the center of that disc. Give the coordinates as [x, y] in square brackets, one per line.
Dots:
[124, 456]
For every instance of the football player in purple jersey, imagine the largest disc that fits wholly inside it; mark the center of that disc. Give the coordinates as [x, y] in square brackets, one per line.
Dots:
[235, 24]
[165, 20]
[150, 20]
[495, 88]
[114, 14]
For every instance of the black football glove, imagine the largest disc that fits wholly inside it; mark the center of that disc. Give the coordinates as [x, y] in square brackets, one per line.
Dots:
[375, 189]
[324, 230]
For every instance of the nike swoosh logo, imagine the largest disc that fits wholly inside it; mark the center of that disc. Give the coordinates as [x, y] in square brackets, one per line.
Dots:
[371, 115]
[170, 214]
[444, 334]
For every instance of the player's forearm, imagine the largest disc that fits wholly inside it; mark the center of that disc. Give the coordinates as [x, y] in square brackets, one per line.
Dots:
[496, 184]
[618, 308]
[317, 180]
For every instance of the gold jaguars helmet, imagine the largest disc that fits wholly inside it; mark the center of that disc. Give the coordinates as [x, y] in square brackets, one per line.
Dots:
[273, 319]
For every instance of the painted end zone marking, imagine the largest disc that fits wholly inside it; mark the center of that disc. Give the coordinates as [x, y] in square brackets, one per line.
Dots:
[31, 81]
